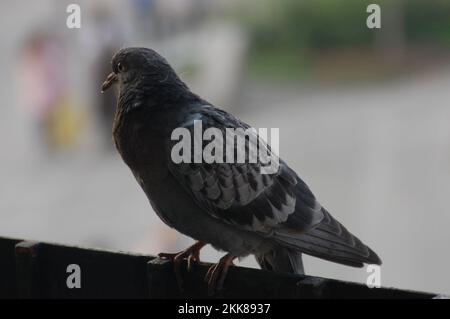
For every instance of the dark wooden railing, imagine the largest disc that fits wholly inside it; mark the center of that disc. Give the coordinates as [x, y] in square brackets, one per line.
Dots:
[42, 270]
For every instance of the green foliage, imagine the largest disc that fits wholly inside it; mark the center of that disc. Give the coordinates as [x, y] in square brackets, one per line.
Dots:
[311, 24]
[428, 21]
[281, 30]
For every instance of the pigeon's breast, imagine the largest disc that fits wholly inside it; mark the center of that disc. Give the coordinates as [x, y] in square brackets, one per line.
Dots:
[140, 143]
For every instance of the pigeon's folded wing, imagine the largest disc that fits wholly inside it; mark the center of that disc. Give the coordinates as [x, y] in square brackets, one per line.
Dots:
[278, 205]
[238, 193]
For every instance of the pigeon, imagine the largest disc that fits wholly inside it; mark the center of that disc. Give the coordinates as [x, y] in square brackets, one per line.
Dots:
[232, 205]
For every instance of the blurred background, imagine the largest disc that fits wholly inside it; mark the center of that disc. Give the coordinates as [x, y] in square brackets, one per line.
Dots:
[363, 117]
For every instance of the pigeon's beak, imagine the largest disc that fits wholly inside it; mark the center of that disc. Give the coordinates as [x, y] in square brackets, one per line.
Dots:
[112, 77]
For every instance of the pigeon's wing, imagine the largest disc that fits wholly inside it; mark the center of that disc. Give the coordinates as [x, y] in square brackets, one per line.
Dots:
[279, 204]
[238, 193]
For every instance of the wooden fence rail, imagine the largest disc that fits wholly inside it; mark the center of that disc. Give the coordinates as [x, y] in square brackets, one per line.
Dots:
[42, 270]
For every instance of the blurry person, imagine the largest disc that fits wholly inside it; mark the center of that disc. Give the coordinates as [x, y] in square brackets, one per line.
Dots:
[43, 89]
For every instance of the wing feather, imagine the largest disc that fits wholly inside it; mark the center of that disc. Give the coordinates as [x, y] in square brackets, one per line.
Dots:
[238, 193]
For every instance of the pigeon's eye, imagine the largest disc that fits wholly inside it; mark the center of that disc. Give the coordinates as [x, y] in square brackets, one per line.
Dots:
[120, 67]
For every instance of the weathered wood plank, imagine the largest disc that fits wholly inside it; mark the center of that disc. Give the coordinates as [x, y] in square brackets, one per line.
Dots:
[43, 272]
[8, 285]
[40, 270]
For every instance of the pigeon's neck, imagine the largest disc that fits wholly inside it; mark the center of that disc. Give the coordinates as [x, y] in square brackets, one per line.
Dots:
[144, 94]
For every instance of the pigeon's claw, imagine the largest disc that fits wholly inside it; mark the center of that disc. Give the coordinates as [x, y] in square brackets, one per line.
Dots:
[191, 253]
[192, 260]
[215, 277]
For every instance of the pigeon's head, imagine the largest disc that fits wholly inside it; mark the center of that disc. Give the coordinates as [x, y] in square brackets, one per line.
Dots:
[142, 68]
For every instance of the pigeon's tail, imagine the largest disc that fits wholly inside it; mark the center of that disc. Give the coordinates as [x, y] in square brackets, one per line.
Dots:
[281, 259]
[331, 241]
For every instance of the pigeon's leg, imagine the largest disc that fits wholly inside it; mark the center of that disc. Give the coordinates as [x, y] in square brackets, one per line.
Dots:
[217, 273]
[193, 255]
